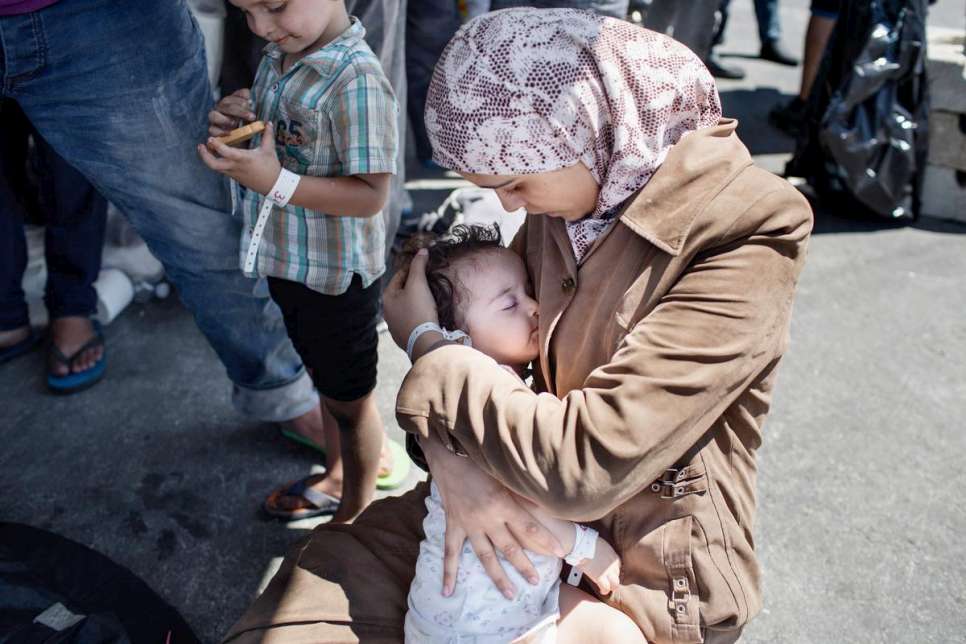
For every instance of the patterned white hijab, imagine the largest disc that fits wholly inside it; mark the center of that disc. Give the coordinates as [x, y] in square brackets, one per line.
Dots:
[522, 91]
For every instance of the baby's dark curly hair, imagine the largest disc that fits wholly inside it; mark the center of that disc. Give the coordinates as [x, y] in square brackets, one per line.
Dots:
[461, 242]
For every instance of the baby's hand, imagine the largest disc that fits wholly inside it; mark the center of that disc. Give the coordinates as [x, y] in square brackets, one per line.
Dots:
[231, 112]
[604, 569]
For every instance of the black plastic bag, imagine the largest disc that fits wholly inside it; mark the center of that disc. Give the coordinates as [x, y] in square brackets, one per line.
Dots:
[864, 143]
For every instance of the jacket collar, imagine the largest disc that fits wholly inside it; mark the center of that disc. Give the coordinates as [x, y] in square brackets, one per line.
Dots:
[695, 170]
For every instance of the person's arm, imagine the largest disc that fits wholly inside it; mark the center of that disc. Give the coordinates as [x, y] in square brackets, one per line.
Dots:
[670, 379]
[258, 169]
[604, 568]
[362, 195]
[362, 119]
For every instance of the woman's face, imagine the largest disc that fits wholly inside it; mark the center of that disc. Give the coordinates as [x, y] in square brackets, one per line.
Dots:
[570, 193]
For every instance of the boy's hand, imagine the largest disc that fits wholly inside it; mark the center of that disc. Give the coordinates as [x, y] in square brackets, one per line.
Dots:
[256, 169]
[604, 569]
[232, 111]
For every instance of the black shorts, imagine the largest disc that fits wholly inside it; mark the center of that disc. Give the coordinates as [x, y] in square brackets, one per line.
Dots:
[825, 8]
[335, 335]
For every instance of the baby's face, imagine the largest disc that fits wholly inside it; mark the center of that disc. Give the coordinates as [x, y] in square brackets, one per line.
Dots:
[496, 306]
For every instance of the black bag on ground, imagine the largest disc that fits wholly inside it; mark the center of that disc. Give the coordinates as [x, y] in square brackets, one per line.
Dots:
[56, 591]
[863, 147]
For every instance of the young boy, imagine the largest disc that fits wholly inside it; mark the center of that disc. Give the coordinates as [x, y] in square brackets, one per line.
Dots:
[482, 290]
[311, 190]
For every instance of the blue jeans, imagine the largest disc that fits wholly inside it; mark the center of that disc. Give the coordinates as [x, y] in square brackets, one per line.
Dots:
[429, 26]
[766, 14]
[74, 214]
[120, 91]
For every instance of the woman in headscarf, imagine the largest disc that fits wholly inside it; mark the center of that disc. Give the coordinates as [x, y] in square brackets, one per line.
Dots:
[664, 264]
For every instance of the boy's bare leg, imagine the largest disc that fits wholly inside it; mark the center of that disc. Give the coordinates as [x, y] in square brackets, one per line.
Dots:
[320, 426]
[587, 620]
[360, 436]
[311, 425]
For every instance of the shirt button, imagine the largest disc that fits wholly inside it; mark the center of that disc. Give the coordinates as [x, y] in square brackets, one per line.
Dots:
[275, 87]
[568, 284]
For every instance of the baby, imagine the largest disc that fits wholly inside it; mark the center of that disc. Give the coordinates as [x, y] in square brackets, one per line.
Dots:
[482, 289]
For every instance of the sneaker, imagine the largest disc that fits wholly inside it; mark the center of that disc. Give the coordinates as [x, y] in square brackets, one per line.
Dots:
[774, 52]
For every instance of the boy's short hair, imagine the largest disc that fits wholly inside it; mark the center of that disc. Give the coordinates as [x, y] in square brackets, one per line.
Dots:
[460, 242]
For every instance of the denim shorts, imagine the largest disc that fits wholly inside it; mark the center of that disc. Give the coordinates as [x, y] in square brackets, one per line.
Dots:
[335, 335]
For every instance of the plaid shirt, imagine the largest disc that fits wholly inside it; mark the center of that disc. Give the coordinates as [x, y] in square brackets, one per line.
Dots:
[335, 115]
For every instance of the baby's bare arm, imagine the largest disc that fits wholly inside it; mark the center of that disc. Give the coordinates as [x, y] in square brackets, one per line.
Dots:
[605, 566]
[561, 529]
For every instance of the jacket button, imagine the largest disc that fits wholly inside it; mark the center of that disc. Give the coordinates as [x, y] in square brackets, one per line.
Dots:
[568, 284]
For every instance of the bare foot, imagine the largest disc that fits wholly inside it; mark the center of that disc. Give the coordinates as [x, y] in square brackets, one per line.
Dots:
[278, 501]
[12, 337]
[70, 334]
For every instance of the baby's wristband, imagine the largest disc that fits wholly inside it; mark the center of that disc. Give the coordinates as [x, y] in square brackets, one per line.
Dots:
[585, 545]
[426, 327]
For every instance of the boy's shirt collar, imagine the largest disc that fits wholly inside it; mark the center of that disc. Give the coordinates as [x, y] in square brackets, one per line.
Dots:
[324, 60]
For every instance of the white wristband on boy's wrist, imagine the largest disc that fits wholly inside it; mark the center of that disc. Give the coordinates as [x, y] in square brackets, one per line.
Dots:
[284, 188]
[426, 327]
[280, 194]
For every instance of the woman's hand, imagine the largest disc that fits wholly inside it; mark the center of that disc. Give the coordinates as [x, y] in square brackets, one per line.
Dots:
[256, 169]
[407, 302]
[478, 508]
[231, 112]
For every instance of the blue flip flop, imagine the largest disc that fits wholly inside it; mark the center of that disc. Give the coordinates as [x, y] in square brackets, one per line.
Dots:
[73, 382]
[15, 350]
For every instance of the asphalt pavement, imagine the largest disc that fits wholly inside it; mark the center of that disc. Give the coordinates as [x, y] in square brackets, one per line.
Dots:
[861, 516]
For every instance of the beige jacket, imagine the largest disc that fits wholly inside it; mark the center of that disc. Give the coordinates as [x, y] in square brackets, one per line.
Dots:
[659, 355]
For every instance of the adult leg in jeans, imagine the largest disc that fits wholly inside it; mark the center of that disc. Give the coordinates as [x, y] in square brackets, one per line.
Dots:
[73, 240]
[429, 26]
[769, 33]
[766, 14]
[74, 215]
[14, 318]
[121, 92]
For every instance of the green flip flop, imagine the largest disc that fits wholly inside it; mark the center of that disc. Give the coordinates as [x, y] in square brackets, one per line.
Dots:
[400, 459]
